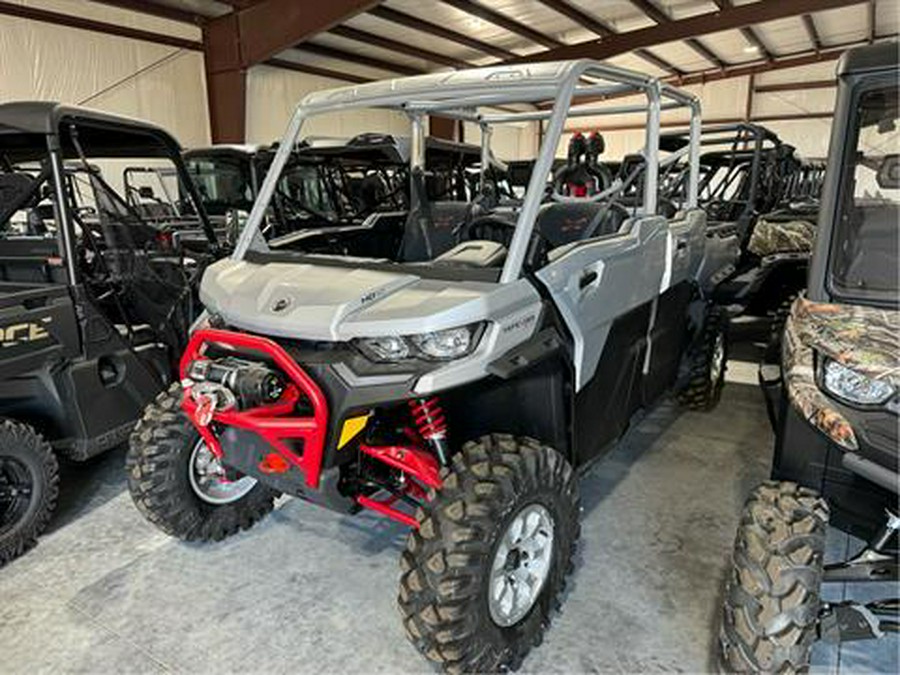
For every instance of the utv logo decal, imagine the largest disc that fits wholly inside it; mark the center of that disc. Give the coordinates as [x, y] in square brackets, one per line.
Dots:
[281, 304]
[371, 297]
[519, 324]
[19, 333]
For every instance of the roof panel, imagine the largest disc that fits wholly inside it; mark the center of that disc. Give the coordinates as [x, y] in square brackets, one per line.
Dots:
[731, 46]
[810, 73]
[416, 38]
[211, 8]
[681, 56]
[682, 9]
[838, 26]
[887, 17]
[534, 14]
[633, 62]
[438, 12]
[336, 65]
[365, 50]
[622, 14]
[784, 36]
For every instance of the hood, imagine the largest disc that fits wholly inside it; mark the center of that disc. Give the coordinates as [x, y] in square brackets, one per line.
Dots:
[318, 302]
[866, 339]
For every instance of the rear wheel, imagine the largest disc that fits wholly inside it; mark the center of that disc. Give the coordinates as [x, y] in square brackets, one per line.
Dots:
[180, 486]
[707, 363]
[772, 596]
[484, 572]
[29, 486]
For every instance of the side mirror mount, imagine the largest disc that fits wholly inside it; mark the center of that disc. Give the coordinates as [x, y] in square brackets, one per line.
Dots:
[146, 192]
[888, 176]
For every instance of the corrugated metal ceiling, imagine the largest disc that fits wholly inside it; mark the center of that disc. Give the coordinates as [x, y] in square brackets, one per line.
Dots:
[782, 37]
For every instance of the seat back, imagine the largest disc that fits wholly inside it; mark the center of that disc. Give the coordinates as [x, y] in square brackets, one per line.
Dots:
[436, 234]
[566, 222]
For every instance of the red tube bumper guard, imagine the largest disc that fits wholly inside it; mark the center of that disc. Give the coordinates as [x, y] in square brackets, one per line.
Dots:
[278, 422]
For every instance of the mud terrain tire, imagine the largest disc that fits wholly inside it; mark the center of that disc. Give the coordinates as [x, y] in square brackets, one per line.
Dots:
[772, 594]
[29, 487]
[448, 561]
[157, 464]
[704, 387]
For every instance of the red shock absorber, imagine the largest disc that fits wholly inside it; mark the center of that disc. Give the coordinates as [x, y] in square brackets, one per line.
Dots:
[428, 416]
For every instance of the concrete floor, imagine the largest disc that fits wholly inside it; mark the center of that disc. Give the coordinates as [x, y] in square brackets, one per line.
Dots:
[311, 591]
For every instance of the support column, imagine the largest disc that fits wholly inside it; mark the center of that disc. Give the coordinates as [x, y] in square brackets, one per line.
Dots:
[226, 81]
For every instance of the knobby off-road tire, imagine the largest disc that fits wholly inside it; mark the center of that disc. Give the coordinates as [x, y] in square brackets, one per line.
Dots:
[772, 594]
[448, 561]
[158, 465]
[706, 379]
[29, 483]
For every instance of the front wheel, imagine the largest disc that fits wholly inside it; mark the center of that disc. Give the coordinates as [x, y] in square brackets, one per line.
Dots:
[180, 486]
[486, 567]
[29, 485]
[772, 595]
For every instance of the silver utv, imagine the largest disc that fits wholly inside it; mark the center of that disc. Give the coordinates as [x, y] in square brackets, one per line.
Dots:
[452, 365]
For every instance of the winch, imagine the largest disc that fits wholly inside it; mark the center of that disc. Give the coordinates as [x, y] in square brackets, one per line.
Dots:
[235, 383]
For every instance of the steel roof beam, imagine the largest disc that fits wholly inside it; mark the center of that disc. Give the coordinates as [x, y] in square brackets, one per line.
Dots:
[810, 26]
[104, 27]
[503, 21]
[735, 17]
[437, 30]
[354, 57]
[316, 70]
[660, 17]
[399, 47]
[161, 11]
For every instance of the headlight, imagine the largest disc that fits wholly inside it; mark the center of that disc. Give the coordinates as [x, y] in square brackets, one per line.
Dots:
[441, 345]
[444, 344]
[854, 387]
[389, 348]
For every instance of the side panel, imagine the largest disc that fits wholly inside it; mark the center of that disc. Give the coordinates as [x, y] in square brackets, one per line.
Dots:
[604, 406]
[535, 403]
[596, 281]
[38, 333]
[668, 340]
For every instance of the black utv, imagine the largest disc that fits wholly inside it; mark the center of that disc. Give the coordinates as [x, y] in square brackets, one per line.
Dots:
[96, 295]
[327, 181]
[834, 398]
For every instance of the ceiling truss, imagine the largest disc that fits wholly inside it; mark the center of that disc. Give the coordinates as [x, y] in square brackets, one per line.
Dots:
[257, 31]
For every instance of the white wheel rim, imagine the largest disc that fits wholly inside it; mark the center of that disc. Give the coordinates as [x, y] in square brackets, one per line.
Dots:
[718, 359]
[521, 565]
[209, 481]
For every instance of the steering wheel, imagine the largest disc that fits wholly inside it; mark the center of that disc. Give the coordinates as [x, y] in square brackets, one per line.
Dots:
[493, 228]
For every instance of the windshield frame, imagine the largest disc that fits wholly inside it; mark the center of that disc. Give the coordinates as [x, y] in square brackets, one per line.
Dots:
[839, 165]
[460, 94]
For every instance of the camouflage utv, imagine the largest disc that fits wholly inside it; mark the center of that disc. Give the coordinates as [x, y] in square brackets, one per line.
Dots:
[834, 400]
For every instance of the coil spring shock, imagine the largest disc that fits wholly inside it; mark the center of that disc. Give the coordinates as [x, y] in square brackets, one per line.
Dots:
[429, 419]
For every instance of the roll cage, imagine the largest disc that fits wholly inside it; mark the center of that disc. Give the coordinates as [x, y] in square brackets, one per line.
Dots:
[739, 167]
[575, 88]
[51, 135]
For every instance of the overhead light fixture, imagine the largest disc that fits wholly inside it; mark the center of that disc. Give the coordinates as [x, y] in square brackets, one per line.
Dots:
[474, 22]
[751, 49]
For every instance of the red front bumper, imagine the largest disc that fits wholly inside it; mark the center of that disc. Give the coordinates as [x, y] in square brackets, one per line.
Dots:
[275, 423]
